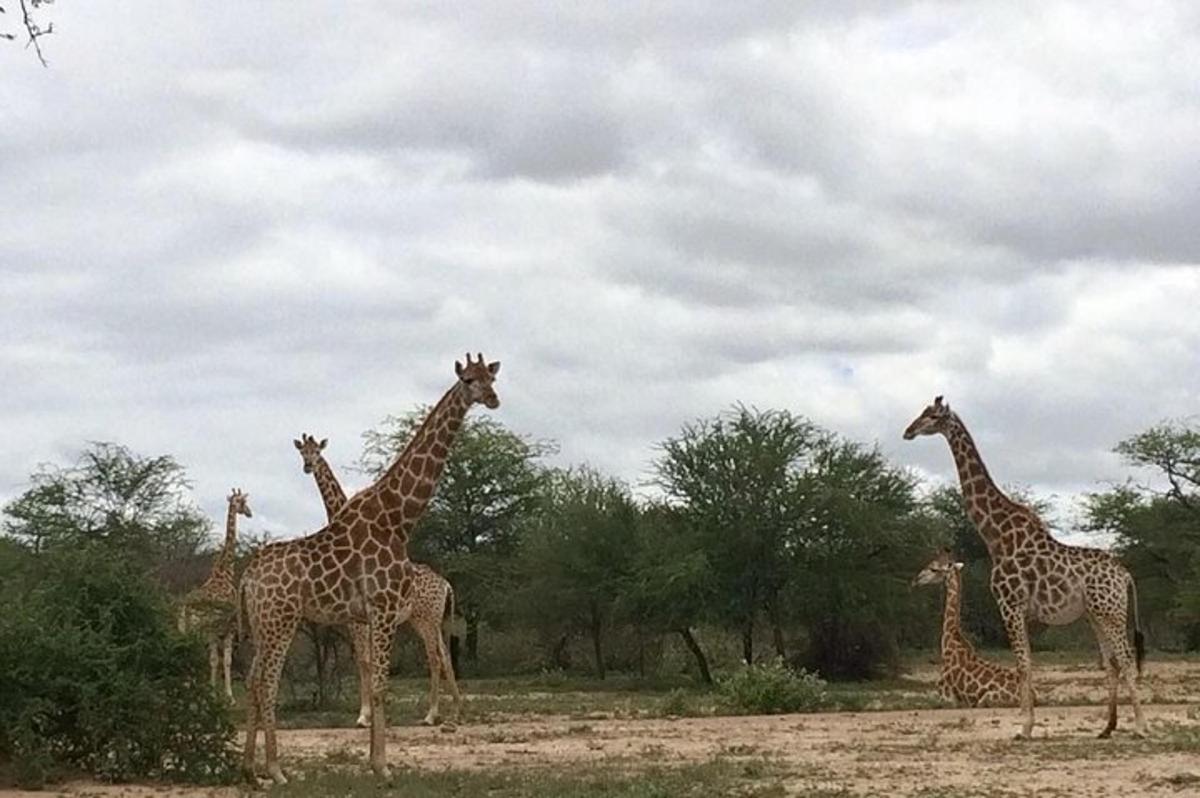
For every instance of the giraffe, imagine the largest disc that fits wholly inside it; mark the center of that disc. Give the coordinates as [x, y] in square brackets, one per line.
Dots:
[1035, 577]
[212, 606]
[352, 569]
[966, 677]
[432, 600]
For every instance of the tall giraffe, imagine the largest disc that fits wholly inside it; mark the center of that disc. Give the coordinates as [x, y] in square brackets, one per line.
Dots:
[432, 600]
[966, 677]
[1036, 577]
[353, 569]
[212, 606]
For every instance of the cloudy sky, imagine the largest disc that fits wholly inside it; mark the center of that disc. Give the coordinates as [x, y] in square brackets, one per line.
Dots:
[223, 226]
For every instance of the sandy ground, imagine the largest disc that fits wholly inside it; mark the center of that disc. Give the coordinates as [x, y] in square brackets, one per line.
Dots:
[898, 753]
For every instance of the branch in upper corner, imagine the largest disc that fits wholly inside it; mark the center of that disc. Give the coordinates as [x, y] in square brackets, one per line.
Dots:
[32, 28]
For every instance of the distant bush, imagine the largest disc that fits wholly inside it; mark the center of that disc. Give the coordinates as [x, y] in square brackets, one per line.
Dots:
[772, 688]
[94, 677]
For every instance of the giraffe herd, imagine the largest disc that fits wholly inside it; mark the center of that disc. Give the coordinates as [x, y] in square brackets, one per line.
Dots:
[355, 571]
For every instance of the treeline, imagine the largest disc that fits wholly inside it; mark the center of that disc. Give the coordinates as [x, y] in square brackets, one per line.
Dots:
[768, 537]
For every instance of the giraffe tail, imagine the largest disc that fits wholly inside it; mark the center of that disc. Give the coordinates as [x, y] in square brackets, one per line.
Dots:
[1139, 639]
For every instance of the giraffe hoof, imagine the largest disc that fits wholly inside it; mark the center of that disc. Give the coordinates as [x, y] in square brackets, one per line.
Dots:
[449, 727]
[363, 722]
[429, 720]
[277, 775]
[1104, 735]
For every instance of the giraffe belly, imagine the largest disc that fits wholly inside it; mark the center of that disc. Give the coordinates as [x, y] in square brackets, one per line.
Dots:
[1065, 610]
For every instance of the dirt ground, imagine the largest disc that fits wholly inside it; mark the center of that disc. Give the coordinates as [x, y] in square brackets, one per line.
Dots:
[889, 753]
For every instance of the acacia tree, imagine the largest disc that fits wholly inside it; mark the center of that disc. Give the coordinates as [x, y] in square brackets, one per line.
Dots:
[111, 496]
[733, 477]
[493, 478]
[576, 555]
[670, 587]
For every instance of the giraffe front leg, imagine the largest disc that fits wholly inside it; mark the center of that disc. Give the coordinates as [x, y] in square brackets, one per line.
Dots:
[360, 641]
[227, 655]
[252, 720]
[214, 660]
[1018, 638]
[383, 630]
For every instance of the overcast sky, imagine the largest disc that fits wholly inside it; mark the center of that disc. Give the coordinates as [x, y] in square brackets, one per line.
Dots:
[226, 224]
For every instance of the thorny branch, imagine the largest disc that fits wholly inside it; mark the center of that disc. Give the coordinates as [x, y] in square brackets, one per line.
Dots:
[32, 28]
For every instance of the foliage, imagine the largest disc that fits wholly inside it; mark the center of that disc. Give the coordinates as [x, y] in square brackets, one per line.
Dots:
[492, 482]
[771, 688]
[94, 676]
[576, 556]
[114, 497]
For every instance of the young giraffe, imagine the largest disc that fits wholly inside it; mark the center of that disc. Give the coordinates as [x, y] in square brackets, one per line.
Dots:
[353, 569]
[966, 677]
[433, 598]
[212, 606]
[1036, 577]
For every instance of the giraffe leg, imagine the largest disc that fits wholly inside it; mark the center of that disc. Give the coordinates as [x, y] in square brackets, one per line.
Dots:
[1109, 663]
[273, 652]
[214, 660]
[448, 675]
[433, 660]
[360, 641]
[1018, 638]
[253, 720]
[227, 654]
[1122, 668]
[383, 631]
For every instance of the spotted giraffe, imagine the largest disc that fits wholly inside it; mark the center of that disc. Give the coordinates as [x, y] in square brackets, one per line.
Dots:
[1035, 577]
[353, 569]
[966, 678]
[212, 606]
[432, 600]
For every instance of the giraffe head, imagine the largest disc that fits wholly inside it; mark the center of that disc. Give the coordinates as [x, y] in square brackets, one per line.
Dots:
[477, 378]
[933, 419]
[938, 569]
[240, 503]
[310, 450]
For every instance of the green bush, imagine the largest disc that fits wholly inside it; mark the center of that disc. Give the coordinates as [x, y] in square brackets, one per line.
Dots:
[772, 688]
[94, 677]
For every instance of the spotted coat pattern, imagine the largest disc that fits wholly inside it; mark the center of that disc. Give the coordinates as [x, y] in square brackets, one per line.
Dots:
[1034, 577]
[212, 607]
[355, 569]
[432, 599]
[966, 678]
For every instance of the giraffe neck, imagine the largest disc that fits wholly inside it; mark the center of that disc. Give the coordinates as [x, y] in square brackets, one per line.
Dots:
[332, 494]
[224, 561]
[980, 494]
[408, 484]
[952, 614]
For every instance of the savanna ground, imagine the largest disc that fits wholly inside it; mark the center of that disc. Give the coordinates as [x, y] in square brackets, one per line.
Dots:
[558, 736]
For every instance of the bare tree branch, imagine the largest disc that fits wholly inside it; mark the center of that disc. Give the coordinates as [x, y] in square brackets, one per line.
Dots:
[32, 28]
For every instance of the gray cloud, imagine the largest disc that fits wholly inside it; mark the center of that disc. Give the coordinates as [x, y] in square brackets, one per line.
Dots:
[221, 230]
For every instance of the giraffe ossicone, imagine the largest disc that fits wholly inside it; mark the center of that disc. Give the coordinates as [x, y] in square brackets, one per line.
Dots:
[353, 570]
[1035, 577]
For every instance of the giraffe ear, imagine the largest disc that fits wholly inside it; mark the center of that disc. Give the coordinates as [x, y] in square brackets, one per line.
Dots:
[937, 401]
[494, 367]
[297, 443]
[458, 368]
[324, 442]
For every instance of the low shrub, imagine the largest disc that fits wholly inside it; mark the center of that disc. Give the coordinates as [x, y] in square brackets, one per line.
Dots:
[94, 677]
[772, 688]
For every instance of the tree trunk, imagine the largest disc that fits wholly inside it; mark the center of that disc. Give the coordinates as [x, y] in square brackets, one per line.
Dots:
[472, 640]
[558, 656]
[777, 630]
[694, 646]
[455, 644]
[596, 647]
[748, 641]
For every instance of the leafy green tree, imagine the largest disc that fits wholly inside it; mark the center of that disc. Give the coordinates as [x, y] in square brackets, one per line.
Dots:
[492, 480]
[114, 497]
[576, 557]
[854, 544]
[671, 587]
[733, 478]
